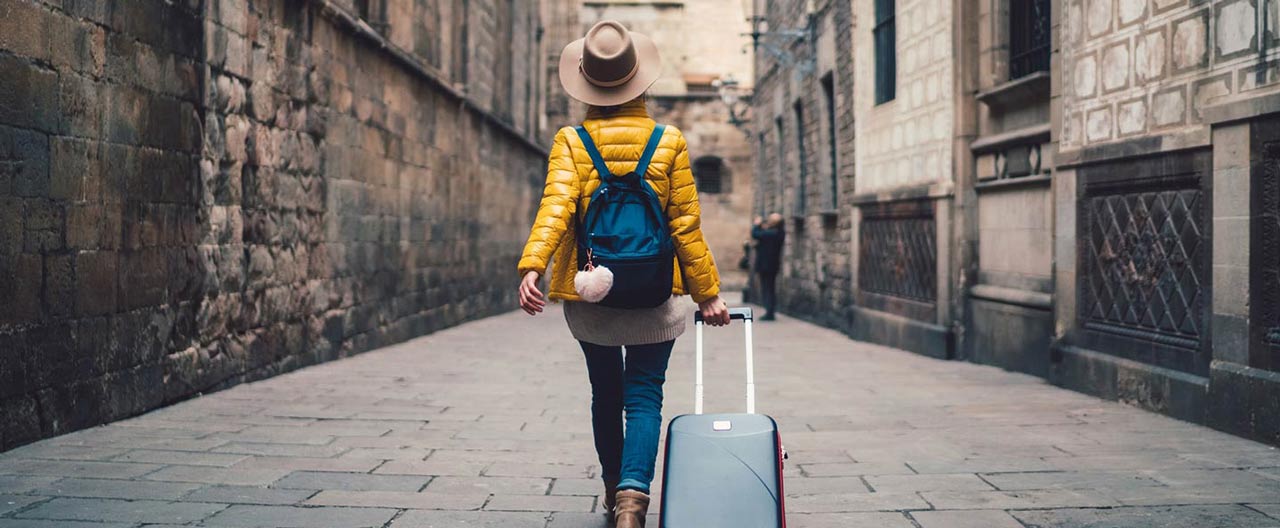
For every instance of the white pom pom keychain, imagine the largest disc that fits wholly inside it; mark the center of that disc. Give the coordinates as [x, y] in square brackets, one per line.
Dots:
[594, 282]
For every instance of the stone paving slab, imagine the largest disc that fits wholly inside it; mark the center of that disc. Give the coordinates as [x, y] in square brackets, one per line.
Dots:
[488, 425]
[111, 510]
[249, 495]
[1198, 516]
[115, 489]
[965, 519]
[244, 516]
[11, 503]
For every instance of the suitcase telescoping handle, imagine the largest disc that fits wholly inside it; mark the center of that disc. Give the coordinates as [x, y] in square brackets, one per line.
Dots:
[743, 313]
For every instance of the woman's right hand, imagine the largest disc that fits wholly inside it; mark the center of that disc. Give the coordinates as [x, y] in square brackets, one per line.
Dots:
[530, 297]
[714, 311]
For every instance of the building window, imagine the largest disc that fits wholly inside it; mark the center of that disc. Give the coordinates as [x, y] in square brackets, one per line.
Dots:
[781, 154]
[373, 12]
[829, 96]
[802, 173]
[459, 41]
[708, 172]
[1028, 37]
[886, 44]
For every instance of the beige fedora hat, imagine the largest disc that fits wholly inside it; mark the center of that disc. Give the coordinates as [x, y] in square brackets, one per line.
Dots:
[609, 66]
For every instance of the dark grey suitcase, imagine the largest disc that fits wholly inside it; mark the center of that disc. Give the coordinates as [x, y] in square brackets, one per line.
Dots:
[723, 470]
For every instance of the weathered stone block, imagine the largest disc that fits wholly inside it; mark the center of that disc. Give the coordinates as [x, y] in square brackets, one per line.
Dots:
[59, 285]
[21, 423]
[1235, 28]
[264, 146]
[1131, 11]
[145, 271]
[11, 233]
[59, 362]
[25, 29]
[1086, 76]
[1169, 107]
[1206, 90]
[76, 172]
[89, 9]
[1133, 117]
[1190, 42]
[260, 267]
[24, 162]
[22, 277]
[1098, 16]
[96, 280]
[1098, 124]
[85, 229]
[28, 95]
[237, 138]
[1115, 67]
[77, 46]
[80, 101]
[44, 226]
[1149, 55]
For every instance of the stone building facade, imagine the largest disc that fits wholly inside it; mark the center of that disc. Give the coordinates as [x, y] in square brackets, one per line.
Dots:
[912, 207]
[1166, 206]
[804, 129]
[693, 54]
[1084, 190]
[1009, 303]
[198, 193]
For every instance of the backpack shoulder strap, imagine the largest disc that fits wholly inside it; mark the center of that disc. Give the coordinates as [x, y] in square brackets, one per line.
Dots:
[649, 149]
[593, 152]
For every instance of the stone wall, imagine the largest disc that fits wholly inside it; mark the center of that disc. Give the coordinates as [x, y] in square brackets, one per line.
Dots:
[1138, 68]
[806, 184]
[906, 141]
[199, 193]
[1169, 106]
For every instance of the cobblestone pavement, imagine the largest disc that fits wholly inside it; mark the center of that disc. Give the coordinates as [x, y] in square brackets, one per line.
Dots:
[487, 425]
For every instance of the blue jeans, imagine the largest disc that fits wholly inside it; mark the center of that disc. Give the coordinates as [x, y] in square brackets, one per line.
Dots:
[636, 387]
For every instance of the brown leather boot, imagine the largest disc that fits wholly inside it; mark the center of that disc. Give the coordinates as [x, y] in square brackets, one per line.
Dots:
[610, 498]
[632, 507]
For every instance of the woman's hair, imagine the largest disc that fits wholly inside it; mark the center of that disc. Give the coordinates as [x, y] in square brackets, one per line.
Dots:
[606, 110]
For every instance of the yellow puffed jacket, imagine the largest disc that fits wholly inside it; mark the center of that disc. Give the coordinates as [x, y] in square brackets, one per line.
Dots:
[571, 179]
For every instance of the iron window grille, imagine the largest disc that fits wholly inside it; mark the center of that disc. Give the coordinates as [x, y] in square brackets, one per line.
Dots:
[1265, 256]
[885, 35]
[1028, 37]
[708, 176]
[899, 251]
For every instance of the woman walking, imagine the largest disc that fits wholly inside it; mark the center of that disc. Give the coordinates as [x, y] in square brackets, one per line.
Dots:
[609, 70]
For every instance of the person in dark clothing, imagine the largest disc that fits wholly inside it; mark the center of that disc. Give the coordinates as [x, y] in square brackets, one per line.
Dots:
[769, 234]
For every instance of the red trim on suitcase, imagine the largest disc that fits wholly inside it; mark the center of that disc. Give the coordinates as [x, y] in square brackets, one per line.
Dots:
[782, 493]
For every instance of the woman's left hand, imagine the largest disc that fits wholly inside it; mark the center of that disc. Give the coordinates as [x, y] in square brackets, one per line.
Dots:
[714, 311]
[530, 297]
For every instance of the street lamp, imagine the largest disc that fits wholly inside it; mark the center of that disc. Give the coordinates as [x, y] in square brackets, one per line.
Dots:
[731, 94]
[760, 32]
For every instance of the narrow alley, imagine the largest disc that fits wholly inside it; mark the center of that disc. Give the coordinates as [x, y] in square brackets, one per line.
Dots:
[487, 425]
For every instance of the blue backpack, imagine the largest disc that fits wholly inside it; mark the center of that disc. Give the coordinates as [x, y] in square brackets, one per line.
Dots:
[625, 230]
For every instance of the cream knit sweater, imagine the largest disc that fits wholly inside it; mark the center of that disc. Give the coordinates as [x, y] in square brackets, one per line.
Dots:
[607, 326]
